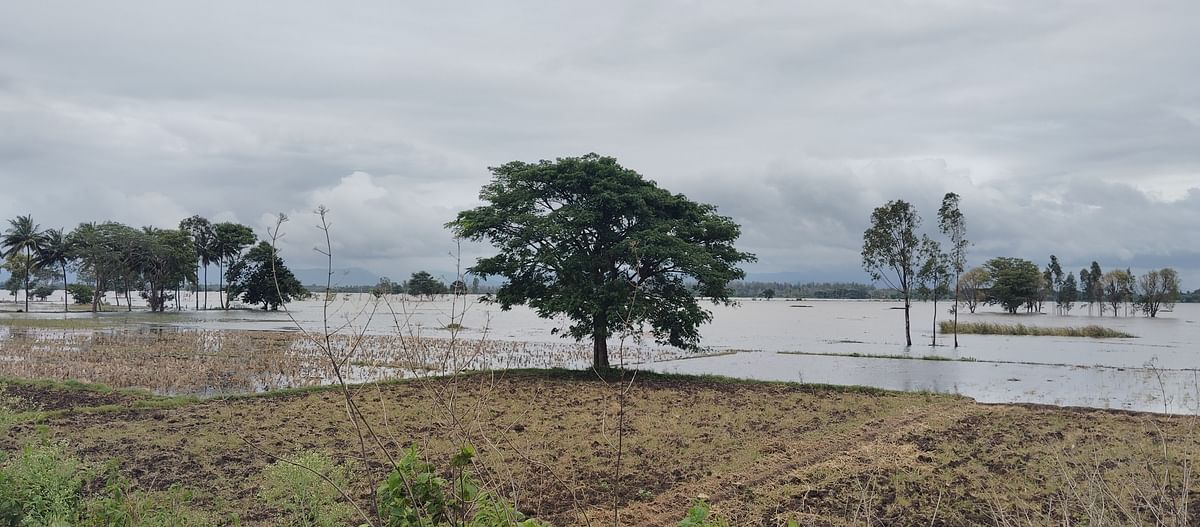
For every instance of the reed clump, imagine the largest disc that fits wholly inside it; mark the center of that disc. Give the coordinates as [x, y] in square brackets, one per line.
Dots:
[989, 328]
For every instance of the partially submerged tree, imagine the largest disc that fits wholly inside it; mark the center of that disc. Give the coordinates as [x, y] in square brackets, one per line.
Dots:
[262, 278]
[1014, 283]
[954, 227]
[229, 240]
[421, 283]
[971, 285]
[166, 260]
[203, 236]
[891, 252]
[1157, 290]
[1068, 294]
[934, 276]
[55, 252]
[587, 238]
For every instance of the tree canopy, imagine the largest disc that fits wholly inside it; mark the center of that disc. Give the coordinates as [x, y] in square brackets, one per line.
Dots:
[1015, 283]
[262, 278]
[587, 238]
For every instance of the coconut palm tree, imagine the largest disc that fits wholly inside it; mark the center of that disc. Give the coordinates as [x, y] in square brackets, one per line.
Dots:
[201, 231]
[55, 252]
[22, 235]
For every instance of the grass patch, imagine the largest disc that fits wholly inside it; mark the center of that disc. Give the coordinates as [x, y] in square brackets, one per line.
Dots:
[883, 356]
[988, 328]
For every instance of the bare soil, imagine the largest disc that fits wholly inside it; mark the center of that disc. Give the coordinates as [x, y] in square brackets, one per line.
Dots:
[761, 453]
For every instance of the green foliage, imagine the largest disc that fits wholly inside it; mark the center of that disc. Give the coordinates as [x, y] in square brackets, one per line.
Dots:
[81, 293]
[262, 278]
[296, 486]
[40, 486]
[424, 284]
[415, 495]
[1015, 283]
[121, 506]
[587, 238]
[892, 252]
[698, 516]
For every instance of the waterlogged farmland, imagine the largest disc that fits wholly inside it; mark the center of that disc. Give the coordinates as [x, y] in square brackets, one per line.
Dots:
[831, 342]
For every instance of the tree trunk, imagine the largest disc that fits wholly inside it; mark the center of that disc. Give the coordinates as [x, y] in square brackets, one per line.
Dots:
[956, 308]
[600, 340]
[221, 286]
[934, 320]
[28, 264]
[206, 288]
[195, 290]
[907, 321]
[65, 307]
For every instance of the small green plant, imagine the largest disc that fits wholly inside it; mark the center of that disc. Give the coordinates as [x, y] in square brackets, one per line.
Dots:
[698, 516]
[40, 486]
[295, 485]
[414, 495]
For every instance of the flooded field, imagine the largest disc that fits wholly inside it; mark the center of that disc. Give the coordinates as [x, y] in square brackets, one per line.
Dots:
[834, 342]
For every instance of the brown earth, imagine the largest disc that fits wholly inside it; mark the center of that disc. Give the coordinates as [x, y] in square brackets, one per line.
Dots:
[761, 453]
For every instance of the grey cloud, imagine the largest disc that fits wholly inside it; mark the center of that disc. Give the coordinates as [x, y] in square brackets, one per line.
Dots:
[1067, 128]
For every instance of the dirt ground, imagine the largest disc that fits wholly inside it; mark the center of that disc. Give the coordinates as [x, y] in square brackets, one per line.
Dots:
[761, 453]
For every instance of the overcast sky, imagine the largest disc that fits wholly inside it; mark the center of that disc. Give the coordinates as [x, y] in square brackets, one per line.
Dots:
[1067, 127]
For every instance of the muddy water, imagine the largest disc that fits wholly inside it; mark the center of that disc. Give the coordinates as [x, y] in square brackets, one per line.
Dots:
[817, 341]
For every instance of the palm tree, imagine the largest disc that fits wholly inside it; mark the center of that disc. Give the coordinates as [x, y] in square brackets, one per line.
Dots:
[22, 235]
[55, 251]
[201, 231]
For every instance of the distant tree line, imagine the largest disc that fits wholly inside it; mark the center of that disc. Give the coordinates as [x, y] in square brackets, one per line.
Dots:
[154, 263]
[842, 290]
[1017, 284]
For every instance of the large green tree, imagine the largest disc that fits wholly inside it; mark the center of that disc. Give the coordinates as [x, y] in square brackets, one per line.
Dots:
[954, 226]
[166, 259]
[1015, 283]
[587, 238]
[262, 278]
[22, 236]
[892, 252]
[424, 284]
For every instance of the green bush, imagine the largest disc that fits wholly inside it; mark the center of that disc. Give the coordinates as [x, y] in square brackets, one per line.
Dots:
[414, 495]
[81, 293]
[307, 499]
[40, 486]
[121, 506]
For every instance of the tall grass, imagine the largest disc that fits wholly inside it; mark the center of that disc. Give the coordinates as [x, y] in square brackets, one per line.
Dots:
[988, 328]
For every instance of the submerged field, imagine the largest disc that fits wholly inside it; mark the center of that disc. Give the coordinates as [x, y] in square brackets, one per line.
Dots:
[762, 453]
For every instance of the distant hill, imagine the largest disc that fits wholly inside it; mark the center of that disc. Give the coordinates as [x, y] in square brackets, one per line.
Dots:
[350, 276]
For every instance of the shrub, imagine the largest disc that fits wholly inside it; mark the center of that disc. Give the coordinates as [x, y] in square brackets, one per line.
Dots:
[414, 495]
[305, 498]
[81, 293]
[40, 486]
[42, 292]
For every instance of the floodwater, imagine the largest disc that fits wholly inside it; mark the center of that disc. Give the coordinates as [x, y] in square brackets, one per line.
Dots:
[817, 341]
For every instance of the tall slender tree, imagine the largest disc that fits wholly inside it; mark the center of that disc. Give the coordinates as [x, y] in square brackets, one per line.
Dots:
[22, 235]
[229, 240]
[202, 234]
[954, 226]
[55, 252]
[892, 252]
[934, 276]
